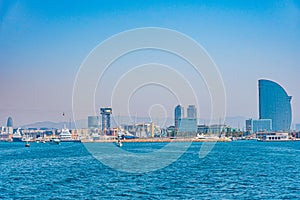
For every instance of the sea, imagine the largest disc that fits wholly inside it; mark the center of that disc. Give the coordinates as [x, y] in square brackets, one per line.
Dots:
[231, 170]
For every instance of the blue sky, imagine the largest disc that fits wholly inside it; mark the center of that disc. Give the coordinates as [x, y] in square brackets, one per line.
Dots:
[43, 43]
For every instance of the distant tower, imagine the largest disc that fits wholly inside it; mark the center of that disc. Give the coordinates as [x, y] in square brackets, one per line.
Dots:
[192, 112]
[9, 122]
[178, 114]
[105, 113]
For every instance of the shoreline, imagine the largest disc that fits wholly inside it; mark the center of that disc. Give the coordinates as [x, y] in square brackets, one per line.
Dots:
[165, 140]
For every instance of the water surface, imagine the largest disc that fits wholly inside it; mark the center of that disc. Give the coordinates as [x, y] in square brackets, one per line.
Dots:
[236, 170]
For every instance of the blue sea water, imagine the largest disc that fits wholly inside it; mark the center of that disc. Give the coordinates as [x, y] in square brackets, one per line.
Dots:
[235, 170]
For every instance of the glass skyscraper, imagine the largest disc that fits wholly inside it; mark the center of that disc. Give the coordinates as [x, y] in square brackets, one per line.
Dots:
[178, 114]
[275, 104]
[9, 122]
[192, 112]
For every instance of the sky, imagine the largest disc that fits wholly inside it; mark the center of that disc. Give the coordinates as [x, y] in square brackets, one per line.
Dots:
[44, 43]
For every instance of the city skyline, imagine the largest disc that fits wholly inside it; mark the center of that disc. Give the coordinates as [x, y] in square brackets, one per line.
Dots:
[43, 44]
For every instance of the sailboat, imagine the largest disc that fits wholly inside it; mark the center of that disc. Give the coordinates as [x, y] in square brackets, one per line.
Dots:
[27, 143]
[119, 142]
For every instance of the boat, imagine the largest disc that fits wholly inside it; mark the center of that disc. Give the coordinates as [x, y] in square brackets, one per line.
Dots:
[54, 141]
[40, 140]
[66, 136]
[119, 137]
[273, 137]
[126, 135]
[119, 143]
[27, 144]
[206, 137]
[17, 137]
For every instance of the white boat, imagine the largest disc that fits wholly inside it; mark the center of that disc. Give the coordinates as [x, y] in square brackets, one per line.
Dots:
[119, 137]
[65, 135]
[274, 137]
[119, 143]
[54, 141]
[27, 144]
[27, 141]
[205, 137]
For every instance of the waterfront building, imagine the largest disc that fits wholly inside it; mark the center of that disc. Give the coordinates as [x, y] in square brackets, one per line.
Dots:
[258, 125]
[142, 130]
[202, 129]
[187, 127]
[192, 112]
[105, 113]
[178, 114]
[217, 129]
[170, 131]
[82, 134]
[93, 121]
[274, 104]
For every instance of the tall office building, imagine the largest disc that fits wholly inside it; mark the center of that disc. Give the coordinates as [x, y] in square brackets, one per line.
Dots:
[274, 104]
[178, 114]
[106, 112]
[93, 122]
[9, 122]
[192, 112]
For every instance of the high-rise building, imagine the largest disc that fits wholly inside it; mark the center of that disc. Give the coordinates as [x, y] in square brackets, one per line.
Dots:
[9, 122]
[93, 121]
[178, 114]
[192, 112]
[106, 112]
[274, 104]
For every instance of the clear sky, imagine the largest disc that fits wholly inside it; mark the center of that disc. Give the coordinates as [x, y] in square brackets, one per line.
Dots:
[43, 43]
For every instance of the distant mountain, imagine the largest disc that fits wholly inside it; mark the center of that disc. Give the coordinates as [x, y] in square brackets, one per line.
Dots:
[45, 124]
[57, 125]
